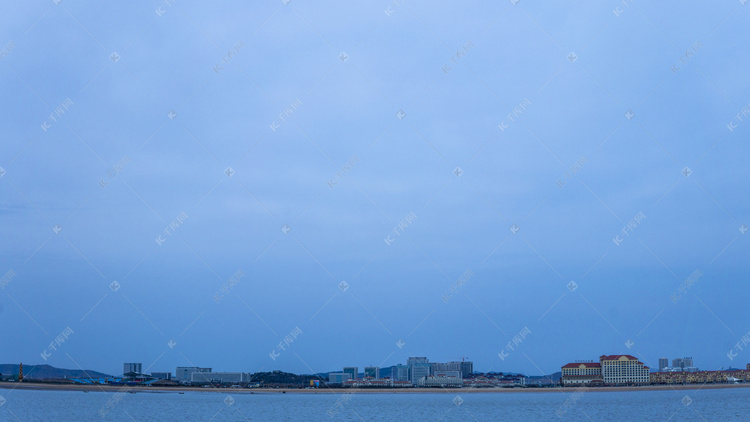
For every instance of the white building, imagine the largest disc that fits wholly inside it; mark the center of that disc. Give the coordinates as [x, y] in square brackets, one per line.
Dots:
[623, 369]
[220, 377]
[185, 373]
[440, 381]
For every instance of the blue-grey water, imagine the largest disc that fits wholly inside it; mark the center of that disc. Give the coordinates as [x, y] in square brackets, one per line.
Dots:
[684, 405]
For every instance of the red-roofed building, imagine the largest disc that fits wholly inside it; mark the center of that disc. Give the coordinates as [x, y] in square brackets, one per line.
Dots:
[623, 370]
[579, 373]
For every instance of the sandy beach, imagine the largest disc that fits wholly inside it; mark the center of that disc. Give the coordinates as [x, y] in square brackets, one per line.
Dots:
[143, 389]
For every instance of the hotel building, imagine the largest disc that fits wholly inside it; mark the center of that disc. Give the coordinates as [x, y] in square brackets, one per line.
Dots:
[610, 370]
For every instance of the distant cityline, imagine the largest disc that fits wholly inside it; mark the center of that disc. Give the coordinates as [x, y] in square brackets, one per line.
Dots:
[609, 370]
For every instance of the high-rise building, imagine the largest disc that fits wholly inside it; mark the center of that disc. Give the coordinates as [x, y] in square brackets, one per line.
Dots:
[353, 371]
[412, 360]
[687, 362]
[467, 368]
[400, 373]
[419, 371]
[372, 372]
[131, 368]
[623, 369]
[663, 363]
[678, 364]
[338, 377]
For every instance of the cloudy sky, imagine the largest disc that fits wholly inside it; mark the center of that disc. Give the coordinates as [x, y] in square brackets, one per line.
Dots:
[305, 185]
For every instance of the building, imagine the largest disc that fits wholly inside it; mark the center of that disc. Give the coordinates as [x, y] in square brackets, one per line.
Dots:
[372, 372]
[414, 360]
[353, 371]
[338, 377]
[185, 373]
[400, 373]
[467, 368]
[623, 369]
[663, 363]
[220, 377]
[132, 368]
[700, 377]
[419, 371]
[162, 375]
[440, 381]
[578, 373]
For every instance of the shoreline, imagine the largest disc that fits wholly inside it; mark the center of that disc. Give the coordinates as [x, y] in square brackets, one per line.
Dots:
[142, 389]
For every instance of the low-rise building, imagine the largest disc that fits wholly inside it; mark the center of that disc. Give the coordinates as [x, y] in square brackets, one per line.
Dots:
[578, 373]
[220, 377]
[440, 381]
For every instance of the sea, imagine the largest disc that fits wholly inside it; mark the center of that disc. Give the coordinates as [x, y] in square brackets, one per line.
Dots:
[575, 405]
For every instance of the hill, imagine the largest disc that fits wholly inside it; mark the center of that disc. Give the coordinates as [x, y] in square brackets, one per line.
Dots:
[49, 372]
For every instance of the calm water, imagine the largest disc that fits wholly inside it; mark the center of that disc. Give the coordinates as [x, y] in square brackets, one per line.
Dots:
[712, 405]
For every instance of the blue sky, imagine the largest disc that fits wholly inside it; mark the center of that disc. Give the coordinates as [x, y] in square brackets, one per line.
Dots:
[189, 184]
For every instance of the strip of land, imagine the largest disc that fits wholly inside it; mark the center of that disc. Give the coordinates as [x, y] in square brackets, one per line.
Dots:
[323, 390]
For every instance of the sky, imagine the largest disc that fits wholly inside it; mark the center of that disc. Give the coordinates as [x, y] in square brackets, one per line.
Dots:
[305, 185]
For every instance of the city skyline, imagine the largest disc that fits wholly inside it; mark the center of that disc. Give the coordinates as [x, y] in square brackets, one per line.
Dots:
[279, 186]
